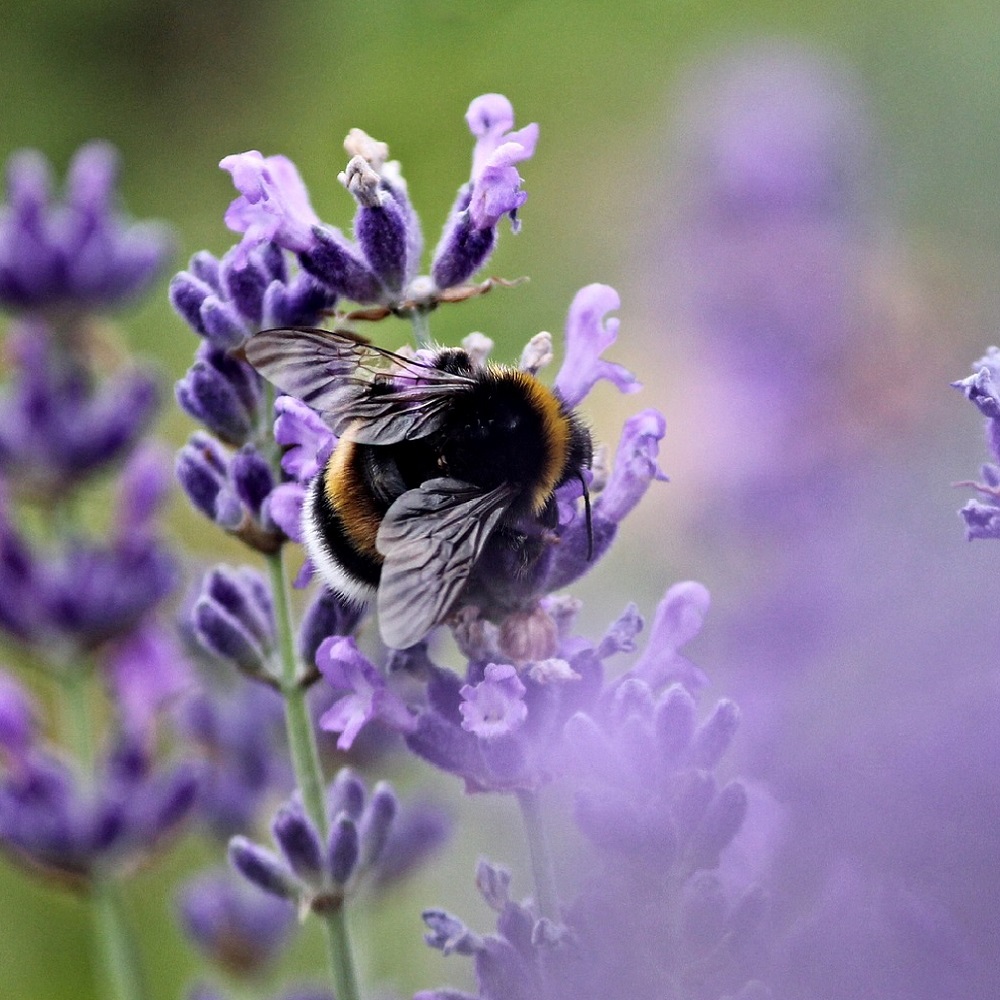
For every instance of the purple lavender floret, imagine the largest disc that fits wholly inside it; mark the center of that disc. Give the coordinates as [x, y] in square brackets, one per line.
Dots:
[982, 516]
[57, 425]
[492, 191]
[80, 252]
[242, 931]
[50, 822]
[319, 874]
[18, 720]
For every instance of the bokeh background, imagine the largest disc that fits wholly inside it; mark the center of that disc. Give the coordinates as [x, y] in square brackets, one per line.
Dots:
[799, 206]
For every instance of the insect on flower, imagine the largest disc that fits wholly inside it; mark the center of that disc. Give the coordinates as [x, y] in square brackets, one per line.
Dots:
[441, 490]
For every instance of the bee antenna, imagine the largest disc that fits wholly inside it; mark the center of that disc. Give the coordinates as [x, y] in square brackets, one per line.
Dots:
[588, 515]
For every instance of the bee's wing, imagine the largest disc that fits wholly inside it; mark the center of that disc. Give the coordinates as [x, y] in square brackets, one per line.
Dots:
[333, 372]
[431, 538]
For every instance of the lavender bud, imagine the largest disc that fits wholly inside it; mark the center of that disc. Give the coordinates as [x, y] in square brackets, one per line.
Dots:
[252, 478]
[463, 248]
[239, 928]
[720, 824]
[493, 883]
[333, 261]
[262, 868]
[329, 614]
[343, 849]
[299, 842]
[675, 721]
[713, 737]
[222, 393]
[201, 470]
[346, 794]
[449, 935]
[375, 826]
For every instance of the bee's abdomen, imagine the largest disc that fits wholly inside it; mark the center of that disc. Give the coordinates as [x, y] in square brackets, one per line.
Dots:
[341, 521]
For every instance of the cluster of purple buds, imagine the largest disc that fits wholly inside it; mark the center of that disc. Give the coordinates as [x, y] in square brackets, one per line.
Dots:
[54, 822]
[58, 426]
[982, 516]
[605, 947]
[79, 253]
[232, 618]
[90, 591]
[379, 267]
[363, 830]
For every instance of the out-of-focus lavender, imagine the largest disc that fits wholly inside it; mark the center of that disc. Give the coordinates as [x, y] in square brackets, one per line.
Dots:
[847, 632]
[91, 795]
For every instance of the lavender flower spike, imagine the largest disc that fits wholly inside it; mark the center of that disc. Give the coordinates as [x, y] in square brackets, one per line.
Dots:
[80, 252]
[588, 335]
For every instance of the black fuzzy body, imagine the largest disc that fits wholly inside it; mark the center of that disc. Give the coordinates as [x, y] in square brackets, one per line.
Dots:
[503, 429]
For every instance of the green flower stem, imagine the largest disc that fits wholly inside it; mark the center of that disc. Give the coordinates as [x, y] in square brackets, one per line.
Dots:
[420, 319]
[115, 949]
[541, 860]
[308, 772]
[298, 722]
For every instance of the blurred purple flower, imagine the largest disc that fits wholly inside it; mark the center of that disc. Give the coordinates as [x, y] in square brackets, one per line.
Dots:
[80, 252]
[242, 931]
[57, 425]
[148, 673]
[18, 725]
[51, 822]
[240, 761]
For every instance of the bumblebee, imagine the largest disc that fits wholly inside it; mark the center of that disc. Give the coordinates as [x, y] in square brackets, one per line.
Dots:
[440, 492]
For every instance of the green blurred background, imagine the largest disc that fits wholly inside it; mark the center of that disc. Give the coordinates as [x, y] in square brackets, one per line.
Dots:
[177, 86]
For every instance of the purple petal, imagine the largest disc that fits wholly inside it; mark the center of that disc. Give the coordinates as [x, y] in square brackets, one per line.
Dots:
[495, 706]
[588, 335]
[273, 205]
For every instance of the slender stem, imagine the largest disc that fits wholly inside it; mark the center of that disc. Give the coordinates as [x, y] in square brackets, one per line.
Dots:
[308, 772]
[298, 722]
[79, 718]
[541, 859]
[338, 939]
[117, 947]
[421, 327]
[114, 946]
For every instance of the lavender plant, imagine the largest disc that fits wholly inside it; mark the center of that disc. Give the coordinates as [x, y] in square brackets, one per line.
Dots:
[535, 710]
[81, 598]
